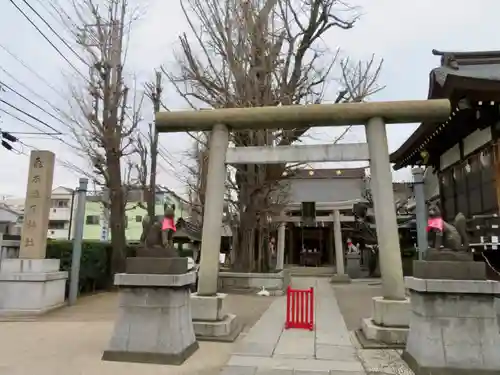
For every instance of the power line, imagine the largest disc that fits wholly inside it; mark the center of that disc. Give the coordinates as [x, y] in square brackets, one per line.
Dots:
[55, 33]
[25, 122]
[57, 16]
[60, 9]
[160, 153]
[46, 38]
[42, 132]
[30, 116]
[33, 133]
[31, 90]
[19, 60]
[66, 164]
[34, 104]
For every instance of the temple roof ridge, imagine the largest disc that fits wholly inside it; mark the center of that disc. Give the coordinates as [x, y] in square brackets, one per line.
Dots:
[465, 54]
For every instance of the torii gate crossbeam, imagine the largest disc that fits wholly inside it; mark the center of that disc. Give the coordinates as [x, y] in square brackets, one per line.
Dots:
[373, 115]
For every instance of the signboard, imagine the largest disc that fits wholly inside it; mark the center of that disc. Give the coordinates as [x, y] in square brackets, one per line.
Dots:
[37, 205]
[308, 213]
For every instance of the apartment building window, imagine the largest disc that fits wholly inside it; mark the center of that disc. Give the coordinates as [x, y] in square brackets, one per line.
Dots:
[159, 198]
[92, 220]
[138, 218]
[56, 224]
[60, 203]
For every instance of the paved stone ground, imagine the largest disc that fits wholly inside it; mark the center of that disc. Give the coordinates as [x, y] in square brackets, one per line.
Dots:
[329, 350]
[355, 300]
[70, 341]
[355, 303]
[269, 349]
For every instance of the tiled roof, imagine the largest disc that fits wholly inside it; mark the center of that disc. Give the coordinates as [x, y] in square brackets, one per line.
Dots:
[187, 230]
[480, 67]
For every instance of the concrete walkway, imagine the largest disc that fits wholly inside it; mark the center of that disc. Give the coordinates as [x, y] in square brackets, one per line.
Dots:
[269, 349]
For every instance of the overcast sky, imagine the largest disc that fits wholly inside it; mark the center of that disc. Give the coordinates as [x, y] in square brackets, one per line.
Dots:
[402, 32]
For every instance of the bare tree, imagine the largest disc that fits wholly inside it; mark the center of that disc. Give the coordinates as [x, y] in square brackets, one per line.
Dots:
[246, 53]
[103, 119]
[195, 172]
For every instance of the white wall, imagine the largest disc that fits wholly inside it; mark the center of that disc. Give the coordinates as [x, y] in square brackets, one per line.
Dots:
[324, 190]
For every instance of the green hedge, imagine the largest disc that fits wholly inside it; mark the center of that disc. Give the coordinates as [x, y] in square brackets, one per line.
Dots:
[95, 270]
[95, 265]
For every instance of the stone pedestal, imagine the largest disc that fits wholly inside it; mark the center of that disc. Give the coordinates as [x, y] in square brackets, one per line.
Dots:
[156, 265]
[453, 327]
[365, 258]
[354, 265]
[30, 287]
[251, 282]
[449, 270]
[340, 279]
[154, 323]
[389, 323]
[211, 322]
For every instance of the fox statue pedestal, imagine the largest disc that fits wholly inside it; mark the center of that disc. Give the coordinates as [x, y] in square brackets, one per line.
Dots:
[154, 323]
[454, 319]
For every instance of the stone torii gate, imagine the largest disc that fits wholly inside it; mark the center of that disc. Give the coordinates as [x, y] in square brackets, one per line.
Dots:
[375, 115]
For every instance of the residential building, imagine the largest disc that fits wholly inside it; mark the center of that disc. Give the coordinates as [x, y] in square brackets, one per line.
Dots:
[10, 222]
[63, 209]
[60, 214]
[134, 212]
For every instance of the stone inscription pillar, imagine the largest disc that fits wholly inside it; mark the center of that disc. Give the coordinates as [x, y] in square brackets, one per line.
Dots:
[214, 205]
[391, 267]
[37, 205]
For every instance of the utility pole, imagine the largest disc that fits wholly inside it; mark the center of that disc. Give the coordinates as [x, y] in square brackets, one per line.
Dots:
[77, 241]
[153, 137]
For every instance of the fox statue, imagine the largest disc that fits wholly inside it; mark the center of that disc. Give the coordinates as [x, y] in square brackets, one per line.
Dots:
[159, 233]
[444, 235]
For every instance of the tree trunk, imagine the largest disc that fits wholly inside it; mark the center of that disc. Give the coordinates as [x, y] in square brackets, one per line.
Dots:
[261, 251]
[117, 215]
[245, 252]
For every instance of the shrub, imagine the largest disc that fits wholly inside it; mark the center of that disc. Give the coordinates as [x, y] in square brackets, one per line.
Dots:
[95, 265]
